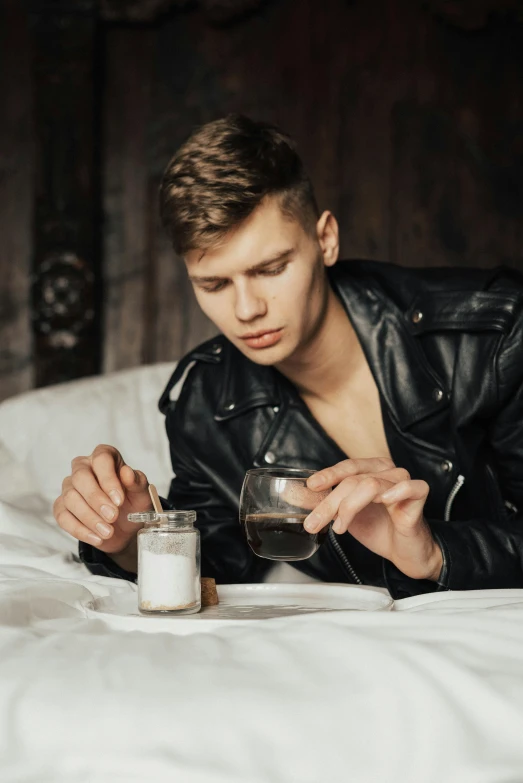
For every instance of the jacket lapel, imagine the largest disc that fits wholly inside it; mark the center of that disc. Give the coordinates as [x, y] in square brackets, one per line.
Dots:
[246, 385]
[410, 387]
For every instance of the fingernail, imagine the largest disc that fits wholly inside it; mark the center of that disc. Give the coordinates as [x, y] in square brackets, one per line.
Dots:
[104, 530]
[115, 497]
[108, 512]
[94, 539]
[310, 524]
[315, 481]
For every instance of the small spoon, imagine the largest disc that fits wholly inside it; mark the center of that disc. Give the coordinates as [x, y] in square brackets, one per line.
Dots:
[155, 499]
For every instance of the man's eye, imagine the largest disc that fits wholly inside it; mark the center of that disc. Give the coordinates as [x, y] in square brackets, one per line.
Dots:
[214, 288]
[276, 271]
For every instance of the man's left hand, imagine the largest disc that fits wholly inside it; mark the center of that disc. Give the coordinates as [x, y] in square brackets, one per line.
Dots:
[382, 507]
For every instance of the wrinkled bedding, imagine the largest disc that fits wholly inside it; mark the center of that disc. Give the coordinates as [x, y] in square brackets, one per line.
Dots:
[431, 691]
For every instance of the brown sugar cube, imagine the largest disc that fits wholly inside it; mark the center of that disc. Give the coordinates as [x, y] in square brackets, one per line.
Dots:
[209, 592]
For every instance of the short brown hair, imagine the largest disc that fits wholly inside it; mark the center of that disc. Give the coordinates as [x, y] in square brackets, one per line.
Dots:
[223, 172]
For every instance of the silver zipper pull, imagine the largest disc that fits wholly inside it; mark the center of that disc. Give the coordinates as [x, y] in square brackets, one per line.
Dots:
[452, 496]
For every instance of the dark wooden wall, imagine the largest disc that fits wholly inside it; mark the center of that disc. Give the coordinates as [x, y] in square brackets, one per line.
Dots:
[411, 126]
[16, 201]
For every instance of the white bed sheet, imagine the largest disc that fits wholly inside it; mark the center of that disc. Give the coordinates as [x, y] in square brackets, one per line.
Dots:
[431, 692]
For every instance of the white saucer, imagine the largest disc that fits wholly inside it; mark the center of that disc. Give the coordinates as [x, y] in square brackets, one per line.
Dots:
[241, 603]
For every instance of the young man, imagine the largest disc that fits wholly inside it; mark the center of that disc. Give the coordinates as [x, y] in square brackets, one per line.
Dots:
[402, 387]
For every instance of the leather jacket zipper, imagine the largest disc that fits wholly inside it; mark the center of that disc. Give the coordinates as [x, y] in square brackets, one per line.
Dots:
[343, 557]
[452, 496]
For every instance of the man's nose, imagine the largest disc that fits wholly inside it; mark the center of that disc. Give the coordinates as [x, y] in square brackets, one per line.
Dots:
[249, 304]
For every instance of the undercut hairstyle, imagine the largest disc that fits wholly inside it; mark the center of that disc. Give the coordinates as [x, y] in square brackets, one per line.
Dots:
[222, 173]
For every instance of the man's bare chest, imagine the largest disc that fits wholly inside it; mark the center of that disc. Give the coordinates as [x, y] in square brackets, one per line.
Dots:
[353, 420]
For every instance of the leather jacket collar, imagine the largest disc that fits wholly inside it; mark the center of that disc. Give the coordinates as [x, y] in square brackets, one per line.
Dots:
[241, 391]
[382, 329]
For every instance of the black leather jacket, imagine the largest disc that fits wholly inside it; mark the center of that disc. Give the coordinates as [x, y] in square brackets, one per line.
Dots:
[446, 350]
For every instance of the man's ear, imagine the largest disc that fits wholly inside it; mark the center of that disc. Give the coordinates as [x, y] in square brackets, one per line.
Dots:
[328, 235]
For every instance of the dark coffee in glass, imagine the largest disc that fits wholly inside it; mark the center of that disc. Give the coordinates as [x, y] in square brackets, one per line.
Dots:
[280, 537]
[274, 505]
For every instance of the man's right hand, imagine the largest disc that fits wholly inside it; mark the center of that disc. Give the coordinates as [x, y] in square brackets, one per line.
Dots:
[97, 497]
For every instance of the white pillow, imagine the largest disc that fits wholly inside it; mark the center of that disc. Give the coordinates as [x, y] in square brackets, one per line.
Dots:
[43, 429]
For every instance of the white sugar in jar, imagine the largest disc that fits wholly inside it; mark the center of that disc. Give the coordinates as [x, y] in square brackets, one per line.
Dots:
[168, 563]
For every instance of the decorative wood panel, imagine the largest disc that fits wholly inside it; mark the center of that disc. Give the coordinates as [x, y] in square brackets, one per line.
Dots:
[66, 289]
[16, 165]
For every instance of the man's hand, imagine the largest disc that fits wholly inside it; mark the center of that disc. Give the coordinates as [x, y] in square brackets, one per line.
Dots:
[382, 507]
[97, 497]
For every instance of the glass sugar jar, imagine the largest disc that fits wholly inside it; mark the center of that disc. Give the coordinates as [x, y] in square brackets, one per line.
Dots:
[168, 562]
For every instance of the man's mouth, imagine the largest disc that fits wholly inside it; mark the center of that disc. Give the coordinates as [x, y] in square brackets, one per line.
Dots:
[263, 338]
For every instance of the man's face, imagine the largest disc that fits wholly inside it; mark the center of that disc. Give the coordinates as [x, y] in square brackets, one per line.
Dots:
[265, 287]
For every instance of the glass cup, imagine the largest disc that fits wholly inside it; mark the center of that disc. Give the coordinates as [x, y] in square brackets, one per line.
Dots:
[274, 503]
